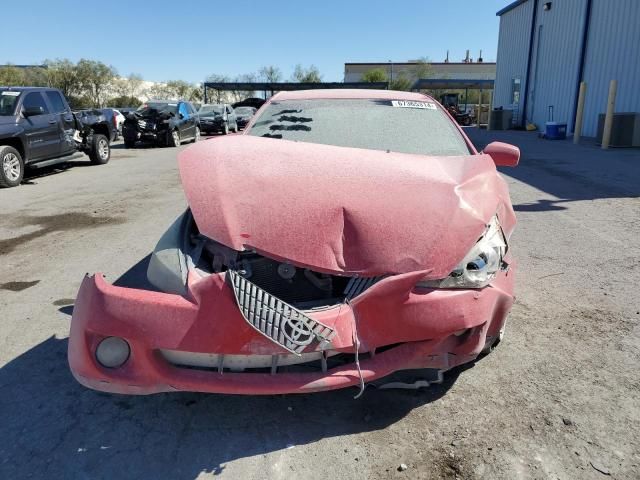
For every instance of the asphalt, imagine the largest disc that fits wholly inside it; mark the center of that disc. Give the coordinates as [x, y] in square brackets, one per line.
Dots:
[559, 398]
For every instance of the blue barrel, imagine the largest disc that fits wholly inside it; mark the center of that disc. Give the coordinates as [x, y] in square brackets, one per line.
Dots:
[555, 131]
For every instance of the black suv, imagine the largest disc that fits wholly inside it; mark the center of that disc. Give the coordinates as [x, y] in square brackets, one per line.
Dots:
[218, 118]
[162, 122]
[37, 128]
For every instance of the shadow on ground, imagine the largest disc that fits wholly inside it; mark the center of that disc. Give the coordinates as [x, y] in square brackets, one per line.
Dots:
[566, 171]
[54, 428]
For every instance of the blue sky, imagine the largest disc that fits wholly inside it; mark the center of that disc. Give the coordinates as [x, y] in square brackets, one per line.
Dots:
[162, 40]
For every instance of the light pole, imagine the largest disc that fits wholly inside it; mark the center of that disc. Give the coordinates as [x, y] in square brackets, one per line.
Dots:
[390, 74]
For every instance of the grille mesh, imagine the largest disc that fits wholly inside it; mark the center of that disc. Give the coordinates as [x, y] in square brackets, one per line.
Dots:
[277, 320]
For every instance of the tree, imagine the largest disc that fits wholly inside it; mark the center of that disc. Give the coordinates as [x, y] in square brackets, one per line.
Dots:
[217, 96]
[124, 101]
[401, 83]
[62, 74]
[270, 74]
[95, 79]
[11, 76]
[422, 69]
[306, 75]
[134, 82]
[375, 75]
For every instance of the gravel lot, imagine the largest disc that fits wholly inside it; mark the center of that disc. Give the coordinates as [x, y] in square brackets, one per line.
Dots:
[559, 398]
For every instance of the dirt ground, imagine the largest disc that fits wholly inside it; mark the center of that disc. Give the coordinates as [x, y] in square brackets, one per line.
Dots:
[558, 399]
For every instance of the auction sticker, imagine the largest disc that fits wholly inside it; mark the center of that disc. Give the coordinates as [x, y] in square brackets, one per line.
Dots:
[10, 94]
[412, 104]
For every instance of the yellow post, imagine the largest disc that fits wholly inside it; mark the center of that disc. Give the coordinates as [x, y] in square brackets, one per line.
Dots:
[577, 131]
[608, 119]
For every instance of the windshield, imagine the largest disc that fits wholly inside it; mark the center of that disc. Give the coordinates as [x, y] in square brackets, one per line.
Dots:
[395, 125]
[8, 102]
[210, 110]
[245, 110]
[160, 107]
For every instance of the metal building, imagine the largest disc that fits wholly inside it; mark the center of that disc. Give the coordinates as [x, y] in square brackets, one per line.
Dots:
[546, 48]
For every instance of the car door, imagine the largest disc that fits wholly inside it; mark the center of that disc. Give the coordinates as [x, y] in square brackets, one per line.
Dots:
[193, 118]
[186, 131]
[41, 131]
[66, 121]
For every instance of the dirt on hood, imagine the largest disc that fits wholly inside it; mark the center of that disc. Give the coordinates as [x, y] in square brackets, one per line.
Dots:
[338, 209]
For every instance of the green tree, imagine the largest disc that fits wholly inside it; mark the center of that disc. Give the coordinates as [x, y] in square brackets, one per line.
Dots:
[11, 76]
[422, 69]
[62, 74]
[270, 74]
[401, 83]
[306, 75]
[96, 80]
[375, 75]
[124, 101]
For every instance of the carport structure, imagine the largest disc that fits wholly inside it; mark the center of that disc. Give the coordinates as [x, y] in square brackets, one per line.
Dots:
[456, 84]
[271, 87]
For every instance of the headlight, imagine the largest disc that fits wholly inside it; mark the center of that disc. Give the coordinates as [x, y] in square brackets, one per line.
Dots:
[480, 265]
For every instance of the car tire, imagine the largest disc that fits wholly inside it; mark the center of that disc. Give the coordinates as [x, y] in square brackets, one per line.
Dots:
[100, 150]
[129, 144]
[11, 167]
[174, 138]
[225, 129]
[197, 135]
[235, 127]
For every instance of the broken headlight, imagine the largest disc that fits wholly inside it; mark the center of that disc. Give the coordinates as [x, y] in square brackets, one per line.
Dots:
[480, 265]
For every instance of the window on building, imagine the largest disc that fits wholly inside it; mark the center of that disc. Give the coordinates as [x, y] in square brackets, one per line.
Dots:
[515, 90]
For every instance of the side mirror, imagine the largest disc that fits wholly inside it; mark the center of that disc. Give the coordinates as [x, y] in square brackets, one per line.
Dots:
[32, 111]
[503, 154]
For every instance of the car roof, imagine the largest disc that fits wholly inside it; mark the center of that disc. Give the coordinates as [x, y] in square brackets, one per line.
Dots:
[27, 89]
[362, 93]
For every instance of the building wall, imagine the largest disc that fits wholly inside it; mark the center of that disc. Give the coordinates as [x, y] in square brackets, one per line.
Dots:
[612, 53]
[513, 52]
[477, 71]
[555, 61]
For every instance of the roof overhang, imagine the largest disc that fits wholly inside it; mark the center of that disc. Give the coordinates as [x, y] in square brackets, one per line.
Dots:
[510, 7]
[454, 83]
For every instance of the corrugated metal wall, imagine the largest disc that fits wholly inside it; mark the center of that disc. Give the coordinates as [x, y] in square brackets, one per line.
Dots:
[555, 61]
[613, 52]
[513, 51]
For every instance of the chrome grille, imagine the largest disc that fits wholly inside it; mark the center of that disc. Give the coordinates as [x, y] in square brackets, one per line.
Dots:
[277, 320]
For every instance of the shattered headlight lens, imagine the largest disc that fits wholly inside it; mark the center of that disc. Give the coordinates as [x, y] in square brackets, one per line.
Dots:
[480, 265]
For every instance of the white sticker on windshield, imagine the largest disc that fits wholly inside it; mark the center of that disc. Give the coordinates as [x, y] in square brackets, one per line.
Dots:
[412, 104]
[10, 94]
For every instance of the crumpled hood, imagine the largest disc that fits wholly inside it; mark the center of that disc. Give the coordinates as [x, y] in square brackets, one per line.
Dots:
[337, 209]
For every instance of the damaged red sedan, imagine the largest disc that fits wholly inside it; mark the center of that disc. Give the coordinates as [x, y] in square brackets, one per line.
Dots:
[346, 237]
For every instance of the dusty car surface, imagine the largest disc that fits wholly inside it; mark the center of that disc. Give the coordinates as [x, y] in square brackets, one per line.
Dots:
[346, 237]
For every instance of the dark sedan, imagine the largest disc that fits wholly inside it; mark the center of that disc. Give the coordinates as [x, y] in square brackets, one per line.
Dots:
[244, 115]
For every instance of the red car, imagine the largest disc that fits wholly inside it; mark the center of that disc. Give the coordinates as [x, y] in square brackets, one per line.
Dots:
[345, 236]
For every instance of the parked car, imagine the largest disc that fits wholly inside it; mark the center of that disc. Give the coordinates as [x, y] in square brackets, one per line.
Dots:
[346, 237]
[244, 115]
[38, 128]
[219, 118]
[105, 116]
[119, 120]
[162, 122]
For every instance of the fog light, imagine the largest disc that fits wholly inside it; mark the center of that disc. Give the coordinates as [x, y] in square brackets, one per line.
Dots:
[112, 352]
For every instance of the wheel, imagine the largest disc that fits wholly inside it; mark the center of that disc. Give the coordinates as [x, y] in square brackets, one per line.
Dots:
[197, 136]
[466, 121]
[129, 143]
[11, 168]
[225, 130]
[174, 139]
[100, 151]
[235, 127]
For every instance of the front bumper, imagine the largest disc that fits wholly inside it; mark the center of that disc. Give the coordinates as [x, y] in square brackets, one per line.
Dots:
[432, 329]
